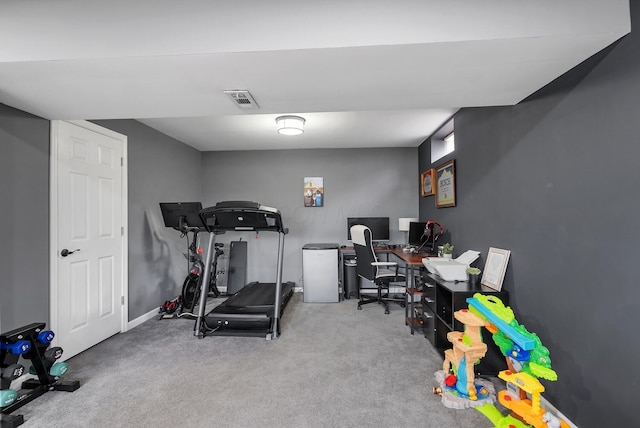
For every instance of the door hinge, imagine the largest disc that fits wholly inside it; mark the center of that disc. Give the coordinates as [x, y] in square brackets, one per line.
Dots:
[121, 230]
[121, 161]
[122, 300]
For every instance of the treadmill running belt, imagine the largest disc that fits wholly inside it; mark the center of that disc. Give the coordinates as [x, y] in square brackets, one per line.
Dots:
[255, 294]
[250, 309]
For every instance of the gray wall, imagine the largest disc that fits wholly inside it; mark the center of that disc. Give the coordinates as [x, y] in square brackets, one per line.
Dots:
[24, 216]
[357, 183]
[160, 169]
[555, 180]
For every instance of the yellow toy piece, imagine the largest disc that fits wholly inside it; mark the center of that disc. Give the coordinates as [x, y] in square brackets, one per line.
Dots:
[515, 398]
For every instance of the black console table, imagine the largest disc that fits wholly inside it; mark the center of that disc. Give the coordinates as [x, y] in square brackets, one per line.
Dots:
[441, 300]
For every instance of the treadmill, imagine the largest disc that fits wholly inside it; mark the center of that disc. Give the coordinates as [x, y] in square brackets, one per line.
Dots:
[255, 309]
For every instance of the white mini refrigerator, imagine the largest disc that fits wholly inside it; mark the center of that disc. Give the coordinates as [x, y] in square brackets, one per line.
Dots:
[320, 273]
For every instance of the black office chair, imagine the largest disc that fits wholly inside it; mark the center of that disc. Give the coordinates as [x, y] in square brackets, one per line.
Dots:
[368, 267]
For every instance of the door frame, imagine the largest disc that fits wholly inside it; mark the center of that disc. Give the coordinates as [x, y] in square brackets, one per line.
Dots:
[53, 220]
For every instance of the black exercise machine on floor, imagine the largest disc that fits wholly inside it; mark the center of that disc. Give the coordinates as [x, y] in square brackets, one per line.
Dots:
[255, 309]
[185, 218]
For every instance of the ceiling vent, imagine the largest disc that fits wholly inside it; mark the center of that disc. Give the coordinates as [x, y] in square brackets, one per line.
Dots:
[242, 99]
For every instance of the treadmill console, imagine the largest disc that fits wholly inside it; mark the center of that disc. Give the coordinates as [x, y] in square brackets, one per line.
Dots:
[242, 216]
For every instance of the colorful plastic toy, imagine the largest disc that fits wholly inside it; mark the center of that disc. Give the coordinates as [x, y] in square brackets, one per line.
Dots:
[527, 360]
[459, 388]
[468, 348]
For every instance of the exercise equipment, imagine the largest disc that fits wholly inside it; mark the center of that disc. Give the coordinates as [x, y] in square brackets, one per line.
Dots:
[8, 374]
[191, 285]
[52, 367]
[17, 348]
[7, 397]
[31, 342]
[185, 218]
[237, 272]
[256, 308]
[58, 369]
[52, 354]
[12, 372]
[45, 336]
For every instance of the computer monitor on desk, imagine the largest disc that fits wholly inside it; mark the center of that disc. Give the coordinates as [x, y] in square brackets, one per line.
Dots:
[379, 227]
[420, 239]
[416, 234]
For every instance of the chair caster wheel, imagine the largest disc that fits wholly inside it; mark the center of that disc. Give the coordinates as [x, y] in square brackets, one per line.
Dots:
[386, 312]
[359, 308]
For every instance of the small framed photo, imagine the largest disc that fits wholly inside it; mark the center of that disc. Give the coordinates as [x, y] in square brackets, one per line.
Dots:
[495, 268]
[446, 185]
[313, 191]
[427, 182]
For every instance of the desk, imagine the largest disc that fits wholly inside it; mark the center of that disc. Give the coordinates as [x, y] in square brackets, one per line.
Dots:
[410, 261]
[409, 258]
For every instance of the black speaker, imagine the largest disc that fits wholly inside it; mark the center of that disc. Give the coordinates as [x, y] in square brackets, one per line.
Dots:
[237, 275]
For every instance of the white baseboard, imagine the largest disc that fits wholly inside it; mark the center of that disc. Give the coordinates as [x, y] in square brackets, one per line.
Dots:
[146, 317]
[551, 408]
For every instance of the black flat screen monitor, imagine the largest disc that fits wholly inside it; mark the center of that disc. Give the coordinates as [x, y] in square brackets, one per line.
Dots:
[189, 212]
[417, 236]
[379, 227]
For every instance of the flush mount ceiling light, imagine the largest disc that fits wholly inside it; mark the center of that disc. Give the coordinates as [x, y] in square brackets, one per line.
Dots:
[290, 125]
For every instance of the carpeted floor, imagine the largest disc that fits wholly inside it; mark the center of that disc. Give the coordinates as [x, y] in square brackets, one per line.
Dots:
[333, 366]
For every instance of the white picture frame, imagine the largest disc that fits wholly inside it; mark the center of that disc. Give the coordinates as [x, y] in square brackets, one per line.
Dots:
[495, 268]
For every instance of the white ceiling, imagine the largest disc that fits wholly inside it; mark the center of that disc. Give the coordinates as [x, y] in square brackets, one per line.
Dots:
[364, 73]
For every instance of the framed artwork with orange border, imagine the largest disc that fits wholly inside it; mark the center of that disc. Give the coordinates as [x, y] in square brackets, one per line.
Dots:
[427, 182]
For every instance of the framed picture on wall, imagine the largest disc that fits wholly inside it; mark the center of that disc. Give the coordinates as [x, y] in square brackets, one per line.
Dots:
[313, 191]
[427, 182]
[495, 268]
[445, 181]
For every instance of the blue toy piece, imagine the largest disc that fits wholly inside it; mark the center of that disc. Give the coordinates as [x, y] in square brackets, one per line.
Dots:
[461, 380]
[519, 354]
[523, 341]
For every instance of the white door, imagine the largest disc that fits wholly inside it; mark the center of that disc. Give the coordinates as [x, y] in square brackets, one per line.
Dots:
[88, 280]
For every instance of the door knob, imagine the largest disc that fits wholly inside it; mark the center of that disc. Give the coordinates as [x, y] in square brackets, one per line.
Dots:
[65, 252]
